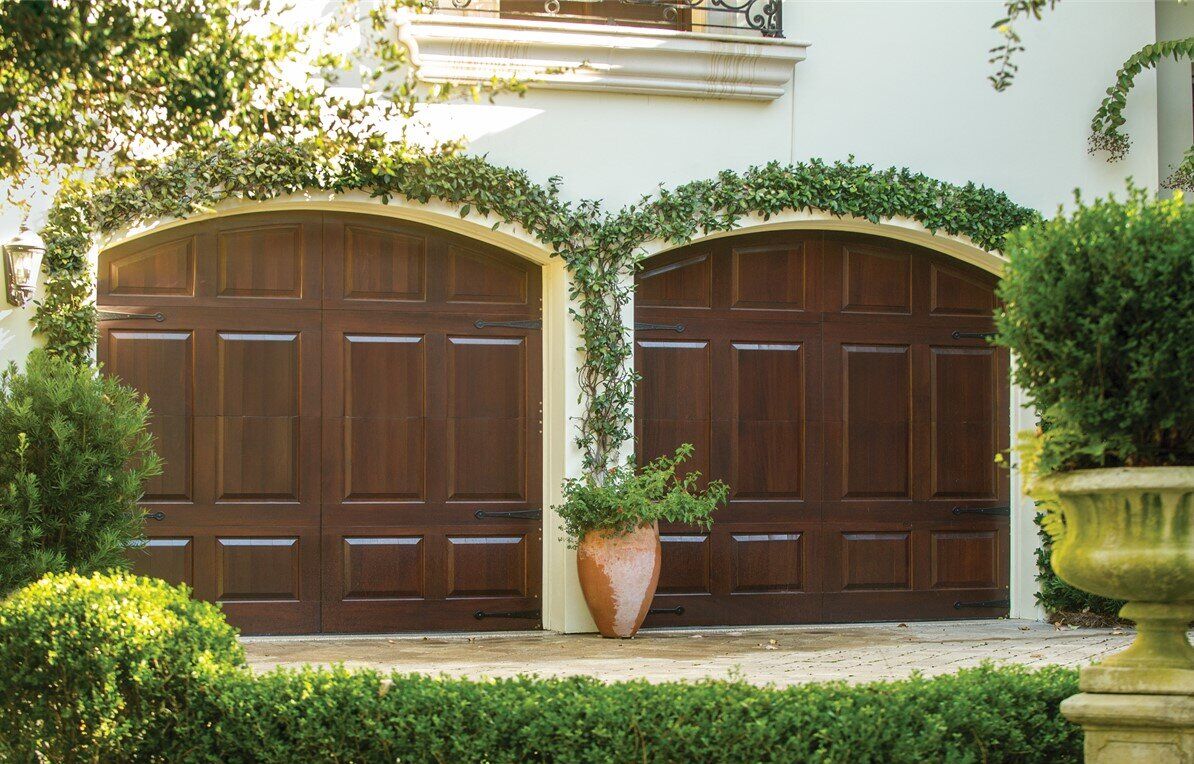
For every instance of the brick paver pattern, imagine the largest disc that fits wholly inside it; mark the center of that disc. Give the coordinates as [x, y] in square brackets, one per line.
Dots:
[781, 655]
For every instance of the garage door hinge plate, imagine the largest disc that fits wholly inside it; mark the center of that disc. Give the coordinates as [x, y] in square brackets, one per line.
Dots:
[527, 614]
[999, 604]
[536, 324]
[514, 514]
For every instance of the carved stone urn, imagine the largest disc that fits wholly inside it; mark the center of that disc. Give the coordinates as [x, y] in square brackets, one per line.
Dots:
[1128, 533]
[618, 575]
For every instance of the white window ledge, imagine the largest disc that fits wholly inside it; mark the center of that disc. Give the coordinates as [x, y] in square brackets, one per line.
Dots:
[607, 58]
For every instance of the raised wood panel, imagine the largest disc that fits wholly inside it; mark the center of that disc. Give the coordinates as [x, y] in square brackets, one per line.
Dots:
[686, 564]
[258, 374]
[876, 560]
[257, 569]
[257, 458]
[163, 269]
[767, 562]
[479, 277]
[965, 559]
[262, 262]
[676, 383]
[962, 391]
[876, 281]
[769, 277]
[385, 376]
[685, 282]
[387, 567]
[957, 293]
[161, 365]
[487, 443]
[381, 264]
[768, 458]
[170, 559]
[487, 566]
[877, 421]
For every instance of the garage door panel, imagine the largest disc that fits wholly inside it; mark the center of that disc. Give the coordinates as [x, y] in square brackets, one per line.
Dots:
[659, 437]
[384, 567]
[677, 281]
[163, 268]
[860, 423]
[170, 558]
[686, 565]
[268, 259]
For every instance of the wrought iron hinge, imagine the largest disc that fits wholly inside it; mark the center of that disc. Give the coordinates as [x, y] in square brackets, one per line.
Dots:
[155, 516]
[677, 610]
[521, 514]
[510, 324]
[531, 615]
[1000, 604]
[994, 511]
[107, 315]
[641, 327]
[957, 335]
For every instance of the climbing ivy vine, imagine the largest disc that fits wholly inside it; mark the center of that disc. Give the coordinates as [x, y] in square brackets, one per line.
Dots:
[600, 248]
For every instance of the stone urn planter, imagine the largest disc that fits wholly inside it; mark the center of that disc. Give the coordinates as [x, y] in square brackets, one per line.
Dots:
[618, 575]
[1128, 533]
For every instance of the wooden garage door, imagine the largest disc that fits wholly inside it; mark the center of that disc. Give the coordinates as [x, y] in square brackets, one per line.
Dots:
[345, 414]
[841, 386]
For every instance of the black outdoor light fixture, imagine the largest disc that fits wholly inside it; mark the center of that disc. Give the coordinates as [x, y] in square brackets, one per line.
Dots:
[22, 261]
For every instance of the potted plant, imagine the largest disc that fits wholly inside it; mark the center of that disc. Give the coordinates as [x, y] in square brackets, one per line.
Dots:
[613, 523]
[1098, 308]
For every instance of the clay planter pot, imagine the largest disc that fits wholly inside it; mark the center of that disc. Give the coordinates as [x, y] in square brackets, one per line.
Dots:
[618, 575]
[1128, 533]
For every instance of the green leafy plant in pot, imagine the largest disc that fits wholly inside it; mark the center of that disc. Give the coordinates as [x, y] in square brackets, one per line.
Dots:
[1099, 312]
[613, 522]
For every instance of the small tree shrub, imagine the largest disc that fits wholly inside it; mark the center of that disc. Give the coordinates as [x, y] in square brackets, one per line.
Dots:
[100, 668]
[74, 455]
[622, 498]
[1099, 309]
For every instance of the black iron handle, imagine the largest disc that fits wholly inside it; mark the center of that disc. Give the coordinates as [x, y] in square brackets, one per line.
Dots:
[1004, 511]
[677, 610]
[106, 315]
[509, 324]
[528, 614]
[642, 327]
[155, 516]
[521, 514]
[1001, 604]
[958, 335]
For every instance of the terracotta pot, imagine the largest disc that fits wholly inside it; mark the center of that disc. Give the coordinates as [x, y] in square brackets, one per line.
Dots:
[1128, 533]
[618, 575]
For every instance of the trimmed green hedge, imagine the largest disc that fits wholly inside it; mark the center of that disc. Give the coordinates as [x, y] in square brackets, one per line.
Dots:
[116, 668]
[979, 715]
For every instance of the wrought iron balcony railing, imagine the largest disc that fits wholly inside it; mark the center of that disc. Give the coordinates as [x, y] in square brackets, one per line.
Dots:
[721, 16]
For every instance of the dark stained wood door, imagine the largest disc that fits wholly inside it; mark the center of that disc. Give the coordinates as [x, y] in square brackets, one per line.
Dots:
[331, 419]
[819, 375]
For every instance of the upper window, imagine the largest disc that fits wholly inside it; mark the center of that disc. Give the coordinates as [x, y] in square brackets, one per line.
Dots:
[717, 16]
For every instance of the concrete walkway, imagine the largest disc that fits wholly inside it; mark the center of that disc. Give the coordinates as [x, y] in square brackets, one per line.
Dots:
[760, 655]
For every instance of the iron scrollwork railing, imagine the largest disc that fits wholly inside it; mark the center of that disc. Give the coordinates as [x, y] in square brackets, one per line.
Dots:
[763, 16]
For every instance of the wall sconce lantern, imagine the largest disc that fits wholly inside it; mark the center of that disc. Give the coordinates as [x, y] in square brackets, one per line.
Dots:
[22, 263]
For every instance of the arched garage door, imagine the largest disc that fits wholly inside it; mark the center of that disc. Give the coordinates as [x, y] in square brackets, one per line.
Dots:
[336, 399]
[841, 386]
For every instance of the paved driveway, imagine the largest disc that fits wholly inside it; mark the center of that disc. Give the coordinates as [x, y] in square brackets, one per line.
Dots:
[774, 655]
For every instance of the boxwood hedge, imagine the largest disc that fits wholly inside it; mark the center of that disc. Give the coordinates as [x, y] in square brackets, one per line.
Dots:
[121, 669]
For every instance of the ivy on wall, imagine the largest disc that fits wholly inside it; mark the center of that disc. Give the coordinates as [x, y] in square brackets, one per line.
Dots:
[600, 249]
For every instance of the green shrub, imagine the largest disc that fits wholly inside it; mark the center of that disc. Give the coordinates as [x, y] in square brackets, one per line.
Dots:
[100, 668]
[979, 715]
[1099, 310]
[74, 454]
[625, 498]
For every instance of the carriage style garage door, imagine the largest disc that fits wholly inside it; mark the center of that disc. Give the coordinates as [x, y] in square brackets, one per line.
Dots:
[343, 418]
[841, 386]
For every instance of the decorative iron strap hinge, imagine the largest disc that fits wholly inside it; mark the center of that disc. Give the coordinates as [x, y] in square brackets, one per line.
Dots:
[677, 610]
[509, 324]
[533, 615]
[641, 327]
[957, 335]
[515, 514]
[999, 604]
[994, 511]
[105, 315]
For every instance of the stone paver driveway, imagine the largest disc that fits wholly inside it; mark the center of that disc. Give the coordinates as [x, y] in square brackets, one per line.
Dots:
[775, 655]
